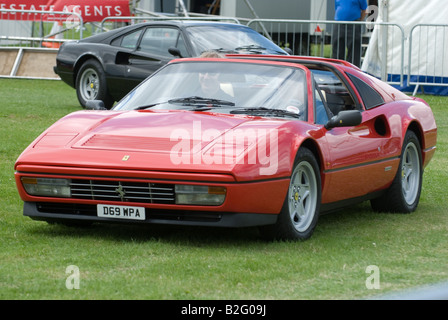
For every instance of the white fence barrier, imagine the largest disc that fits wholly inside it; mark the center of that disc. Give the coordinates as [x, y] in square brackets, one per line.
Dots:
[333, 39]
[428, 56]
[45, 28]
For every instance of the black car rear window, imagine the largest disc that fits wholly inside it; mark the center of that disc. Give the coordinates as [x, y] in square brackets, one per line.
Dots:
[369, 95]
[128, 40]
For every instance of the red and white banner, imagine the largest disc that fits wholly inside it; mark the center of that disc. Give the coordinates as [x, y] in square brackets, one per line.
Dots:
[89, 10]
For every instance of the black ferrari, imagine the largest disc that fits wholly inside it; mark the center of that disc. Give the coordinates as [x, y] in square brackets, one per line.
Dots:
[109, 65]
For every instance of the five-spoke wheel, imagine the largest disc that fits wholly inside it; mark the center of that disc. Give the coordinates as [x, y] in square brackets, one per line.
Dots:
[300, 211]
[404, 193]
[91, 84]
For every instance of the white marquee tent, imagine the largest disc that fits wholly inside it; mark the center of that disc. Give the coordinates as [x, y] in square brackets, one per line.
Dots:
[425, 52]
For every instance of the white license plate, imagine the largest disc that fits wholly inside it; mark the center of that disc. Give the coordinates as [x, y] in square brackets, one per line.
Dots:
[120, 212]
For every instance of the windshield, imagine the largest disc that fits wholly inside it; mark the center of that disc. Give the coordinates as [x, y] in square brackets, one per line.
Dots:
[230, 39]
[225, 87]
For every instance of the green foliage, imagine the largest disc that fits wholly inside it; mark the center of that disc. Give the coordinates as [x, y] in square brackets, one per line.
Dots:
[164, 262]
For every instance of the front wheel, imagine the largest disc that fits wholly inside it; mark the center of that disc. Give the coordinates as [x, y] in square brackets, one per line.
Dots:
[91, 84]
[404, 194]
[300, 210]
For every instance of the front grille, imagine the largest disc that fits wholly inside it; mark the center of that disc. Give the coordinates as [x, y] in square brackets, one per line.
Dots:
[123, 191]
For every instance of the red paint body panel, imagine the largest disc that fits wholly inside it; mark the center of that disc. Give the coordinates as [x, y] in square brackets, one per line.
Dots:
[186, 147]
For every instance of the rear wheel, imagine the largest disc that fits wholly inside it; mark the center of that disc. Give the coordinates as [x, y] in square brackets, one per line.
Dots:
[300, 211]
[91, 84]
[404, 193]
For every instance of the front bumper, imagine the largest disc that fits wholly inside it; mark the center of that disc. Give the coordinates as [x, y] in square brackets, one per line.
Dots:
[52, 211]
[246, 203]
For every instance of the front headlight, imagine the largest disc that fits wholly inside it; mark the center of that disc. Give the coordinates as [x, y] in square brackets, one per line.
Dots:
[200, 195]
[47, 187]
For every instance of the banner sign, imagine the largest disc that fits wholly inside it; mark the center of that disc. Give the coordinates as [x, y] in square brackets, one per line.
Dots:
[89, 10]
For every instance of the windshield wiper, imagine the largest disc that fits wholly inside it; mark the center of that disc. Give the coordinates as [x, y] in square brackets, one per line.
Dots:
[201, 102]
[149, 106]
[195, 101]
[266, 111]
[251, 48]
[222, 50]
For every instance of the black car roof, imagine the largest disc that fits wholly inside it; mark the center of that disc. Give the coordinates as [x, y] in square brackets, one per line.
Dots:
[178, 23]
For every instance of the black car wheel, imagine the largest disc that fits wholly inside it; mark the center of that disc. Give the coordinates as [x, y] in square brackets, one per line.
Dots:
[91, 84]
[300, 211]
[404, 194]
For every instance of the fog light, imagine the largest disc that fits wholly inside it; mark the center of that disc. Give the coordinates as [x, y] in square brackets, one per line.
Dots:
[200, 195]
[47, 187]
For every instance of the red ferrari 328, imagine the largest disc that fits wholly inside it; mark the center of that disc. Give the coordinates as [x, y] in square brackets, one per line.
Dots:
[267, 141]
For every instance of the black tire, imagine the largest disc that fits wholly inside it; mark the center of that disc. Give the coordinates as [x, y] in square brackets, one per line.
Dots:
[91, 84]
[300, 211]
[403, 195]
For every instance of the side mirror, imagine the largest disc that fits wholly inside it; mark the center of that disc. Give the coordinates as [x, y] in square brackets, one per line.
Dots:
[95, 105]
[347, 118]
[175, 52]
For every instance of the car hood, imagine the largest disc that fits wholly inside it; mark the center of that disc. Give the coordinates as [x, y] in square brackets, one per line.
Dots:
[162, 140]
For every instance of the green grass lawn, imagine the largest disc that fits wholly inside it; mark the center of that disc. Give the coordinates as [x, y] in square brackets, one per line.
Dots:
[163, 262]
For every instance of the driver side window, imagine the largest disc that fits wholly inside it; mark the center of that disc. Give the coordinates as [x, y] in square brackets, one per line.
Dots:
[335, 93]
[321, 112]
